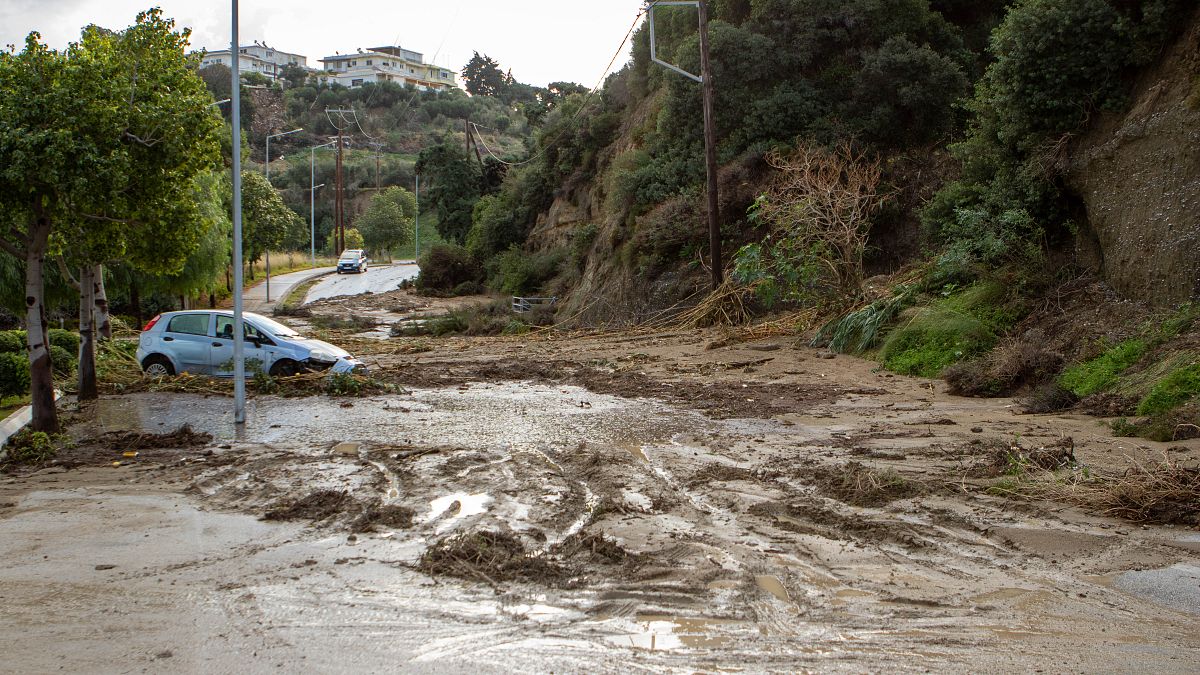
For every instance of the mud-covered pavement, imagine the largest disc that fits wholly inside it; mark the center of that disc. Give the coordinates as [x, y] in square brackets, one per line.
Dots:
[657, 502]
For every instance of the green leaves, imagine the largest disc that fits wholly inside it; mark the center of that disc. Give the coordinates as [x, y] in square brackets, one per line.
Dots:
[388, 221]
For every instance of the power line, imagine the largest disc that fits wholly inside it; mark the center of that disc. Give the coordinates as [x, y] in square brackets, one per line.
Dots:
[586, 100]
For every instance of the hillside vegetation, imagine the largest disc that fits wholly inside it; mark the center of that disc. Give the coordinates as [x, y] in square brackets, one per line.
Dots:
[926, 140]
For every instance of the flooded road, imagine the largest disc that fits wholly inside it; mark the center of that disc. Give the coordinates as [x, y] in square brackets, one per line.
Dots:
[650, 538]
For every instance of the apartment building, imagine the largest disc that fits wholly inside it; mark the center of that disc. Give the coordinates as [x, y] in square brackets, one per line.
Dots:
[386, 64]
[256, 58]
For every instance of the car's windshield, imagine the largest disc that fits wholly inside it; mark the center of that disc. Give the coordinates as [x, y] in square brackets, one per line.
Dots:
[350, 255]
[274, 327]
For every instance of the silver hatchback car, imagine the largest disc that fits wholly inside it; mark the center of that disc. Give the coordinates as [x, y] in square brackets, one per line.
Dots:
[201, 341]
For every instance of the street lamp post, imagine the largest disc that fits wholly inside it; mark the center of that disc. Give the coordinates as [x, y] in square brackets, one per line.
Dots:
[312, 179]
[312, 219]
[267, 173]
[239, 362]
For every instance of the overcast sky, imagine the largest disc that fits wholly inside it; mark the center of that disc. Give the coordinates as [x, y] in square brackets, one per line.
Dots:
[540, 41]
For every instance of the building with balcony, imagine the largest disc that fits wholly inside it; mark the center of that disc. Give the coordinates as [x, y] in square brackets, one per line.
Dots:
[386, 64]
[256, 58]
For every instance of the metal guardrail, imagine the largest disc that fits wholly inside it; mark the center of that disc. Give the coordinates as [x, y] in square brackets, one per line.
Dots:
[522, 305]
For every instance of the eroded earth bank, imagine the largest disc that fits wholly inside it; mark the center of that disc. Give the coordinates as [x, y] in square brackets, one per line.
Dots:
[620, 502]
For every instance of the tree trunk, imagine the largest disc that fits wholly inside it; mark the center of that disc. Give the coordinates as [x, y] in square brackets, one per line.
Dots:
[87, 334]
[41, 378]
[103, 323]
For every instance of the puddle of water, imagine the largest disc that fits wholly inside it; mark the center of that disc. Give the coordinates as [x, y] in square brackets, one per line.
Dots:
[771, 584]
[512, 413]
[658, 632]
[469, 505]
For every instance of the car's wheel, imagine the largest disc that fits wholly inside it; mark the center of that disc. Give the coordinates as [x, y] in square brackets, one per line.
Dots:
[157, 365]
[284, 368]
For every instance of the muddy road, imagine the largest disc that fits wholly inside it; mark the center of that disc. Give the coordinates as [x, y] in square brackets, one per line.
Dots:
[661, 502]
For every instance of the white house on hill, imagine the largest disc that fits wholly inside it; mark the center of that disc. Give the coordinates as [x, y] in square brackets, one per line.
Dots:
[256, 58]
[386, 64]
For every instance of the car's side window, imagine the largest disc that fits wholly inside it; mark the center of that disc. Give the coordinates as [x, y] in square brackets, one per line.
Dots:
[191, 324]
[225, 330]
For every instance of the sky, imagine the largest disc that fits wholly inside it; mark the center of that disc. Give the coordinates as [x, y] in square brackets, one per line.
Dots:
[540, 41]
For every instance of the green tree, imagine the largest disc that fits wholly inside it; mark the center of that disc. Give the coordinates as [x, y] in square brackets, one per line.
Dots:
[482, 76]
[101, 143]
[388, 221]
[454, 180]
[354, 239]
[266, 221]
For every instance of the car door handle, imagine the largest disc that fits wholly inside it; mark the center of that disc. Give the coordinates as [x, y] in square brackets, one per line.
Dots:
[218, 344]
[168, 339]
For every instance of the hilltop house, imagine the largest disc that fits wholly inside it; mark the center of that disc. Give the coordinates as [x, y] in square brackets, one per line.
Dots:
[386, 64]
[256, 58]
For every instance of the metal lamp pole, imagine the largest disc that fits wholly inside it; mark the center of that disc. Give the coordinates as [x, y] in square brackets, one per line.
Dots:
[312, 178]
[239, 362]
[267, 173]
[312, 219]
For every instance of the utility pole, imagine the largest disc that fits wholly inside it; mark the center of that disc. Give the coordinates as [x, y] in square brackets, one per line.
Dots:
[417, 224]
[710, 134]
[471, 142]
[339, 226]
[312, 199]
[710, 153]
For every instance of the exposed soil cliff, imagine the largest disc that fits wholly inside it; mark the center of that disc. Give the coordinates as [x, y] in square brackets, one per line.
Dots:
[1138, 175]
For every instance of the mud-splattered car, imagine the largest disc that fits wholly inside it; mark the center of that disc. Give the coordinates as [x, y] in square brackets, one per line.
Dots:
[202, 342]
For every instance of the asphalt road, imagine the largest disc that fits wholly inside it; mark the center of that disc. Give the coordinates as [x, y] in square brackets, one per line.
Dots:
[255, 298]
[374, 280]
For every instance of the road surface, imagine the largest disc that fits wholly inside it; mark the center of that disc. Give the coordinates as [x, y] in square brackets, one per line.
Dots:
[374, 280]
[255, 298]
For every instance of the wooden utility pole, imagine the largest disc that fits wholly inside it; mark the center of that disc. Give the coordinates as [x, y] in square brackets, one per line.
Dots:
[710, 153]
[338, 225]
[710, 134]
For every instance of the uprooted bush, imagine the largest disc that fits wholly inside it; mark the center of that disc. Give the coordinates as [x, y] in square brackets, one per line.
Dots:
[33, 447]
[314, 506]
[446, 268]
[860, 485]
[493, 318]
[1177, 424]
[490, 557]
[1166, 493]
[1008, 368]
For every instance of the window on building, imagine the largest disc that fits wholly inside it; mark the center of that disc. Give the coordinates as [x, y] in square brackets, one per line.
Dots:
[356, 82]
[445, 75]
[354, 63]
[368, 62]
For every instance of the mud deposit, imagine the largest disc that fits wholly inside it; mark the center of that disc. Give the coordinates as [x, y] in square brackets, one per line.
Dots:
[514, 526]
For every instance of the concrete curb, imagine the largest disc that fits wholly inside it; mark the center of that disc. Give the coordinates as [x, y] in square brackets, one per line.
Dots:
[16, 422]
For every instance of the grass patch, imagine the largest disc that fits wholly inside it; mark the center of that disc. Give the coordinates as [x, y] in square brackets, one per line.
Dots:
[859, 330]
[955, 328]
[292, 303]
[1178, 387]
[1102, 372]
[10, 404]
